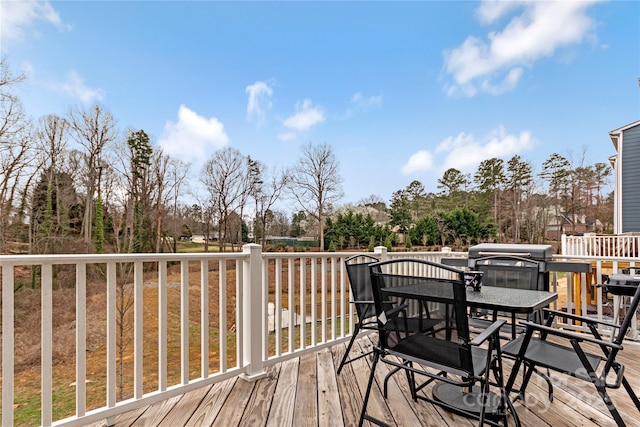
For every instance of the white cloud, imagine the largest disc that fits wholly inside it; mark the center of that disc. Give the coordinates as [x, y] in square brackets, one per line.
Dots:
[259, 101]
[421, 161]
[193, 137]
[497, 64]
[306, 117]
[491, 10]
[366, 103]
[465, 153]
[17, 19]
[74, 87]
[287, 136]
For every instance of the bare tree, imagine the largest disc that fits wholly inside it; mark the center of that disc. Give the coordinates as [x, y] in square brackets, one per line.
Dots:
[315, 183]
[280, 224]
[225, 178]
[266, 194]
[17, 157]
[94, 130]
[51, 135]
[169, 174]
[177, 175]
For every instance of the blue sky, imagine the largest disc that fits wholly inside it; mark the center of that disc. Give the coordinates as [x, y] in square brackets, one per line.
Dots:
[401, 91]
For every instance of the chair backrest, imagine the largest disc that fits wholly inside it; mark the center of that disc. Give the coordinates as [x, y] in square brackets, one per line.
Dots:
[511, 272]
[442, 290]
[631, 309]
[360, 283]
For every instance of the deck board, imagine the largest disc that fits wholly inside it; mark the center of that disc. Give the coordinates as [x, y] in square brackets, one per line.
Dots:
[305, 391]
[306, 407]
[259, 403]
[283, 401]
[208, 410]
[235, 404]
[184, 408]
[329, 408]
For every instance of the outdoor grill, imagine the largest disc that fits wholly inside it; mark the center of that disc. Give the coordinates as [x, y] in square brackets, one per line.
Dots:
[519, 266]
[522, 266]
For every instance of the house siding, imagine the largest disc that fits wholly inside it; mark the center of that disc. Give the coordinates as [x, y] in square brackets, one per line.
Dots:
[630, 185]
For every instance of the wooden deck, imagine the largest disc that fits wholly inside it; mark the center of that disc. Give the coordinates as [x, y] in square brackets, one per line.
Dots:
[305, 391]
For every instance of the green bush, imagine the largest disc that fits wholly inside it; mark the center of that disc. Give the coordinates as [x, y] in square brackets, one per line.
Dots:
[387, 243]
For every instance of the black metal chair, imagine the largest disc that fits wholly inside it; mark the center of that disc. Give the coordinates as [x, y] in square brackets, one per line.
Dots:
[445, 356]
[507, 272]
[362, 298]
[566, 353]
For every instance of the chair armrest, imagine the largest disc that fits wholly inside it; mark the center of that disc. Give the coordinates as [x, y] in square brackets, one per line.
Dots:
[580, 318]
[395, 312]
[487, 333]
[570, 335]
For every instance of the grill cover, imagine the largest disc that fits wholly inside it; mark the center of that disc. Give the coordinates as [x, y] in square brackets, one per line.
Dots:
[535, 252]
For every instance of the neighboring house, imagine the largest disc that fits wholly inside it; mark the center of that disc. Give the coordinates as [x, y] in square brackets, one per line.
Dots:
[564, 224]
[199, 238]
[626, 168]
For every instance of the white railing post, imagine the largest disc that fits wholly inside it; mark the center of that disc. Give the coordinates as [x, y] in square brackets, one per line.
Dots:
[252, 313]
[7, 343]
[380, 252]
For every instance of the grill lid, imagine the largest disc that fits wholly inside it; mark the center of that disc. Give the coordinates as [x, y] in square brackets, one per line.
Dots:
[535, 252]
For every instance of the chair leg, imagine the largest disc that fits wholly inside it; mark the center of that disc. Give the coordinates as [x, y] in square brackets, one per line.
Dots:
[411, 379]
[528, 371]
[602, 391]
[386, 380]
[388, 377]
[344, 360]
[505, 402]
[631, 393]
[363, 414]
[548, 381]
[485, 392]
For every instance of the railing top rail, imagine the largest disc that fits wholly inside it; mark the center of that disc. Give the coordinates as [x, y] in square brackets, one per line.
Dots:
[415, 253]
[309, 254]
[102, 258]
[596, 258]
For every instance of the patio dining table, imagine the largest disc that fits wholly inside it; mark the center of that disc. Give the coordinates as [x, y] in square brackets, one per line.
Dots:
[513, 301]
[492, 298]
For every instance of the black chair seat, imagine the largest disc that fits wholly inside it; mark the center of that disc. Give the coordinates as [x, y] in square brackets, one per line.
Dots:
[553, 356]
[440, 354]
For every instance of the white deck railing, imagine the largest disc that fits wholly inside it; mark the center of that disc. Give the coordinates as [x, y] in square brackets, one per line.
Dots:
[602, 246]
[259, 309]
